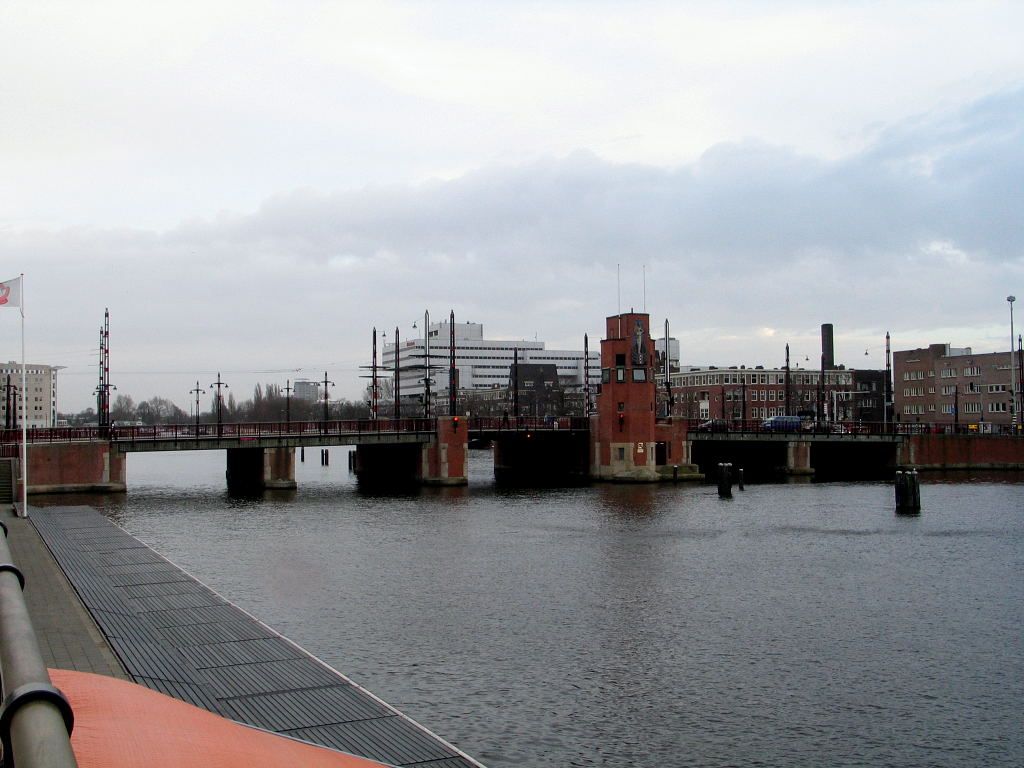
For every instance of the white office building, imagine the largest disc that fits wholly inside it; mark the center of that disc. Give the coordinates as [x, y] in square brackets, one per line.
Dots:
[307, 390]
[41, 383]
[481, 363]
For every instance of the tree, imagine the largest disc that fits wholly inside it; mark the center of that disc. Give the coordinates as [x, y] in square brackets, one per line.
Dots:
[123, 409]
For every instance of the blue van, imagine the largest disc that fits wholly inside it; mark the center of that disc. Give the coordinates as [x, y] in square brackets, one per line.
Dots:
[781, 424]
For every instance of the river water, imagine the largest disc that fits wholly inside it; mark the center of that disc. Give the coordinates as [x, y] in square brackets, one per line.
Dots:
[794, 625]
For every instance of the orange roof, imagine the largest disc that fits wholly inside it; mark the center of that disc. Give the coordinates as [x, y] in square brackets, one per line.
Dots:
[123, 725]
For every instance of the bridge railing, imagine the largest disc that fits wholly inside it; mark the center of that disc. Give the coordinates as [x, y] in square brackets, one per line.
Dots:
[757, 426]
[528, 423]
[204, 431]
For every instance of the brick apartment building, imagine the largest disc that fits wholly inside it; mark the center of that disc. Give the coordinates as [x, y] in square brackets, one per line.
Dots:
[948, 385]
[738, 393]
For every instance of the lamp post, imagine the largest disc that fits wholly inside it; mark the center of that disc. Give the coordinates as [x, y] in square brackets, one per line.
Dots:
[1013, 371]
[197, 392]
[327, 401]
[426, 358]
[220, 404]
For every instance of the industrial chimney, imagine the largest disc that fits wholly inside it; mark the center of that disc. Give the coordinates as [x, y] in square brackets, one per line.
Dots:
[827, 349]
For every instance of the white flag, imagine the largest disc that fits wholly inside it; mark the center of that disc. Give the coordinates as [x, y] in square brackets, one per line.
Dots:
[10, 293]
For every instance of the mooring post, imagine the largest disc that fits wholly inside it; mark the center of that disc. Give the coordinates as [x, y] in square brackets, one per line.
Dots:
[725, 481]
[302, 454]
[675, 473]
[908, 492]
[739, 478]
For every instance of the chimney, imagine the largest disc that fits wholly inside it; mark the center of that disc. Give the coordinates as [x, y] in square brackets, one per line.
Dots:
[827, 348]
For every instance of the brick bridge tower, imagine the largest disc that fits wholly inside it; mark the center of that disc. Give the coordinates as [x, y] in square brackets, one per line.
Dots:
[628, 443]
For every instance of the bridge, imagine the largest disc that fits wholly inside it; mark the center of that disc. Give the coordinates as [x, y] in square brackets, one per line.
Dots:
[261, 456]
[621, 441]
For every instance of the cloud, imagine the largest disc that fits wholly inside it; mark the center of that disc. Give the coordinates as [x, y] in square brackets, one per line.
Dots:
[918, 230]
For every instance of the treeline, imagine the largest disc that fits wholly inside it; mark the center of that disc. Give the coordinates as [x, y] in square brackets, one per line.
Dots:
[268, 403]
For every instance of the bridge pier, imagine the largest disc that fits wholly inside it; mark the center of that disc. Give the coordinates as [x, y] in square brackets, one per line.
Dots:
[798, 461]
[628, 444]
[260, 469]
[86, 467]
[444, 460]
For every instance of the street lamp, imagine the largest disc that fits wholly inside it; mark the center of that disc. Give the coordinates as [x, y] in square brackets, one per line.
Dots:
[220, 404]
[1013, 370]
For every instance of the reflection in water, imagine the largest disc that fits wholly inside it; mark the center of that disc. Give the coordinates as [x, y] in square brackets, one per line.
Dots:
[624, 625]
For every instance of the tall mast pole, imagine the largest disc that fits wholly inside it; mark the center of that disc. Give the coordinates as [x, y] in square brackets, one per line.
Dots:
[452, 375]
[788, 396]
[288, 388]
[887, 395]
[197, 392]
[398, 381]
[220, 404]
[515, 382]
[426, 364]
[586, 376]
[373, 378]
[327, 399]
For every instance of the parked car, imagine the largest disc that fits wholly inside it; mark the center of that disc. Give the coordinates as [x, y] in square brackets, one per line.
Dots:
[781, 424]
[713, 425]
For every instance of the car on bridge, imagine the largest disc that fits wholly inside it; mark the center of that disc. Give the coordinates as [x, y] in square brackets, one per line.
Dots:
[713, 425]
[782, 424]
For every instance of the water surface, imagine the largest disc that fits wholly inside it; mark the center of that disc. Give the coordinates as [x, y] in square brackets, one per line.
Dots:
[632, 626]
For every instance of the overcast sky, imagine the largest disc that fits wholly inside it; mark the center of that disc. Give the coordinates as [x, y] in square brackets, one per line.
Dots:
[250, 187]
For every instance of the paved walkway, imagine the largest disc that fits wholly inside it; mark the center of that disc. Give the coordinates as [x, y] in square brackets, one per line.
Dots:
[68, 637]
[176, 636]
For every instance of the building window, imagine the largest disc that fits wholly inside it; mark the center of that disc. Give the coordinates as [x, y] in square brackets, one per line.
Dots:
[639, 374]
[997, 407]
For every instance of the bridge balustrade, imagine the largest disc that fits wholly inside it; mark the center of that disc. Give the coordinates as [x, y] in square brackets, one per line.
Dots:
[756, 426]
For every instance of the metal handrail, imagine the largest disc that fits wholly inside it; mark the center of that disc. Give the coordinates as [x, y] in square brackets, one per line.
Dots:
[37, 714]
[247, 430]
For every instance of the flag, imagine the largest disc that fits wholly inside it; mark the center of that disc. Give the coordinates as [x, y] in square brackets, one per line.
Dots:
[10, 293]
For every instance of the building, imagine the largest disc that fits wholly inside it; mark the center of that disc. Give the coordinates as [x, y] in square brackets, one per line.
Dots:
[660, 347]
[307, 390]
[480, 364]
[741, 393]
[948, 385]
[41, 383]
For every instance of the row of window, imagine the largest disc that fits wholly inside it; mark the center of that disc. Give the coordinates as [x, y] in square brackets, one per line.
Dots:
[950, 373]
[710, 379]
[974, 407]
[948, 390]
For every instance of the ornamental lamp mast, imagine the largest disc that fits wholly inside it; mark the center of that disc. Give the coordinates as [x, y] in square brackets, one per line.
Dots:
[1013, 371]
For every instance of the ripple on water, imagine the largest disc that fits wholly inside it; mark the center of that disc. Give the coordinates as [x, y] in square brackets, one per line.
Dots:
[629, 626]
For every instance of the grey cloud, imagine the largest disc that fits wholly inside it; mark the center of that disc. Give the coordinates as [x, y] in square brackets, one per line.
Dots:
[750, 235]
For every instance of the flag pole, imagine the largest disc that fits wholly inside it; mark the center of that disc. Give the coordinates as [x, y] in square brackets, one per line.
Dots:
[24, 409]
